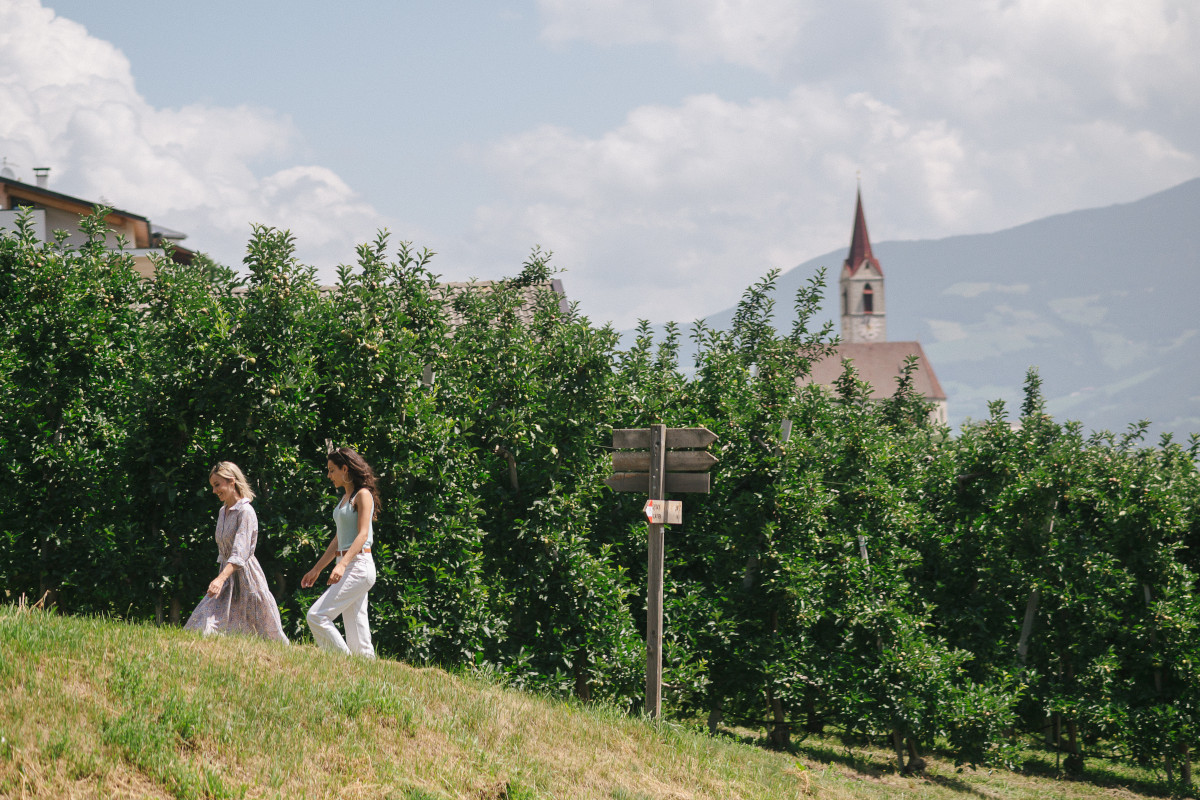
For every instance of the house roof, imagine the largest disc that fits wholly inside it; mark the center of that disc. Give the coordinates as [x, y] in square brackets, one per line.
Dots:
[147, 236]
[448, 292]
[860, 243]
[879, 364]
[55, 199]
[13, 187]
[529, 295]
[163, 232]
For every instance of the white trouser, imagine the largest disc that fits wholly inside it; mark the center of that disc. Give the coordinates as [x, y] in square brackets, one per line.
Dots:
[346, 598]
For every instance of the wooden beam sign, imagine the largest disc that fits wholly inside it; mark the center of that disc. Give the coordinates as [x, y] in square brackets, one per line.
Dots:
[677, 438]
[679, 482]
[658, 460]
[686, 463]
[677, 461]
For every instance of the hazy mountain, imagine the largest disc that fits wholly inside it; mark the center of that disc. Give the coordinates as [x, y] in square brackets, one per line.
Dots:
[1102, 301]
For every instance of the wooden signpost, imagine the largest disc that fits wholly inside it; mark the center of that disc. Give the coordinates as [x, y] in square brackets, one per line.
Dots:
[657, 460]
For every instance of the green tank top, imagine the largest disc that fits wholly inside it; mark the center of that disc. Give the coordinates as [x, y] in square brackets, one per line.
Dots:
[346, 520]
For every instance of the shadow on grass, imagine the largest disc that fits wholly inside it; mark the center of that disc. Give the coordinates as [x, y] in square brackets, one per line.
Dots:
[826, 754]
[856, 761]
[955, 785]
[873, 769]
[1039, 763]
[1096, 774]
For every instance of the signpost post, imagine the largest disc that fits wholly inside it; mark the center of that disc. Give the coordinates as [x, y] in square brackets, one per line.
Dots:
[657, 460]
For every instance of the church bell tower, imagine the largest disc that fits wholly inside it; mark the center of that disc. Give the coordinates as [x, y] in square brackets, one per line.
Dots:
[864, 312]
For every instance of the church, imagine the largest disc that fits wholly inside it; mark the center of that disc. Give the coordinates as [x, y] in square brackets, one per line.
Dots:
[864, 331]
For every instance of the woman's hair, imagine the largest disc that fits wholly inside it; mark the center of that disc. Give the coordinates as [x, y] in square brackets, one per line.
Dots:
[361, 474]
[231, 472]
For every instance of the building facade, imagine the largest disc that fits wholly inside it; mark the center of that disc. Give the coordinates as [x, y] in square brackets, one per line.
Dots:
[51, 211]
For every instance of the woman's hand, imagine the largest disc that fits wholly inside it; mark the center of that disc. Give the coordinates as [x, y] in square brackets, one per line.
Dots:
[214, 588]
[338, 571]
[310, 578]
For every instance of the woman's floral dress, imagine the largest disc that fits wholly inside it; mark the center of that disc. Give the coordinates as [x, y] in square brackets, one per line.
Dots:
[245, 604]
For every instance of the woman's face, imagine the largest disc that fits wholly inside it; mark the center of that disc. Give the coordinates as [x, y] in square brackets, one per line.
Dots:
[223, 489]
[339, 475]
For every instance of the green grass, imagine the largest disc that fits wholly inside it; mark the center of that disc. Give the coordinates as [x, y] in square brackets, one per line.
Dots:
[95, 708]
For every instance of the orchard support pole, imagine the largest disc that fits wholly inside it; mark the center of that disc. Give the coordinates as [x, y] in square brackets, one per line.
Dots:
[654, 575]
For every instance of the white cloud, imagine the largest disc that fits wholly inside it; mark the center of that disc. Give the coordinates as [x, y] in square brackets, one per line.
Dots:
[984, 55]
[968, 289]
[1001, 330]
[945, 330]
[1084, 311]
[961, 118]
[1117, 350]
[754, 33]
[1013, 83]
[700, 198]
[1180, 340]
[68, 101]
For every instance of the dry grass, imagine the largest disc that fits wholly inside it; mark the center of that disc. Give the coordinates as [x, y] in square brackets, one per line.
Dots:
[102, 709]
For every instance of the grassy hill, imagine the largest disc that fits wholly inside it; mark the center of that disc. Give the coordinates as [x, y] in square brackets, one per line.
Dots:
[96, 708]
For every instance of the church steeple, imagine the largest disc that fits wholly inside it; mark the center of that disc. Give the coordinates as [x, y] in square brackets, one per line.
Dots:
[863, 311]
[860, 243]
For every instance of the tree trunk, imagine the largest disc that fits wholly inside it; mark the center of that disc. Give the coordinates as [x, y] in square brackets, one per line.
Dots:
[915, 762]
[1074, 762]
[898, 746]
[781, 735]
[583, 690]
[175, 610]
[748, 572]
[1168, 760]
[1185, 766]
[1153, 638]
[1056, 732]
[813, 723]
[716, 715]
[1031, 606]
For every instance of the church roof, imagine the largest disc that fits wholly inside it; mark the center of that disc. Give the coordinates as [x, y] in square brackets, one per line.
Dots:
[879, 364]
[860, 243]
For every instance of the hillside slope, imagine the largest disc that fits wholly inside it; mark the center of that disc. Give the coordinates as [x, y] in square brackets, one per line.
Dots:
[107, 709]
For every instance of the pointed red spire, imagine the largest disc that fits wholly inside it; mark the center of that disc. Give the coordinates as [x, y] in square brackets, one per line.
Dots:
[860, 243]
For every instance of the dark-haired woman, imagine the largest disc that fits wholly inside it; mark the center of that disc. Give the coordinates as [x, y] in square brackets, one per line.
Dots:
[354, 573]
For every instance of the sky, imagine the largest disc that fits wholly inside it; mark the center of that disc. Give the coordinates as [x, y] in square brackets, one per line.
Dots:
[667, 152]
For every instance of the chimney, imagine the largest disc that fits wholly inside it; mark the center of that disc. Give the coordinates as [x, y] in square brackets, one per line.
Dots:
[43, 175]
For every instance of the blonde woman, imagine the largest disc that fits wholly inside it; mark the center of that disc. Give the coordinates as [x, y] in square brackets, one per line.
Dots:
[354, 573]
[238, 599]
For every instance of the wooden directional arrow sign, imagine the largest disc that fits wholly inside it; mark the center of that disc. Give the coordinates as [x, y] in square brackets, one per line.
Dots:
[677, 461]
[682, 482]
[685, 469]
[658, 460]
[677, 438]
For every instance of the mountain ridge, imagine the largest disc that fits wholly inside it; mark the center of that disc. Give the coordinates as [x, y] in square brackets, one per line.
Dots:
[1097, 300]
